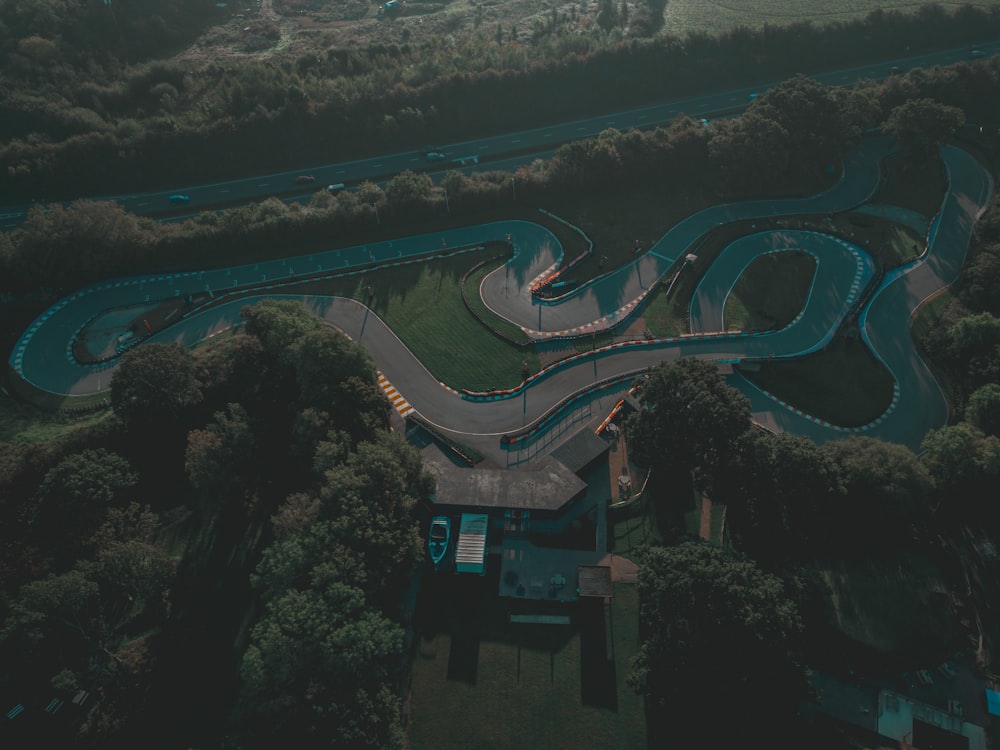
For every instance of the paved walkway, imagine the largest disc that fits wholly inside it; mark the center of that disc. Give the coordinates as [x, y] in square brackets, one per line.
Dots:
[43, 354]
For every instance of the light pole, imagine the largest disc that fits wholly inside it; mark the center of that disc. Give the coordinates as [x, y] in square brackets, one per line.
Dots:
[446, 204]
[375, 206]
[513, 187]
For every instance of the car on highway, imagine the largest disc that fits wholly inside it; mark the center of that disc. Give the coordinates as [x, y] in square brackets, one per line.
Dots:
[976, 53]
[435, 156]
[179, 198]
[304, 179]
[335, 188]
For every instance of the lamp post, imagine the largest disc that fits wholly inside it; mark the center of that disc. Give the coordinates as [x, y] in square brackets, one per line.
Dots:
[375, 206]
[446, 204]
[513, 188]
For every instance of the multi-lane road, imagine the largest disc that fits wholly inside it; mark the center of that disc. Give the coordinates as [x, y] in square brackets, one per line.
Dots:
[501, 151]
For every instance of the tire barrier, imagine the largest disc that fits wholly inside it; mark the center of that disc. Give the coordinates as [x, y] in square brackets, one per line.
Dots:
[466, 454]
[475, 313]
[540, 285]
[515, 440]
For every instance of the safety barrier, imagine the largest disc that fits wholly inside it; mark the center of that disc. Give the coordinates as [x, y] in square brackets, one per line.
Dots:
[540, 425]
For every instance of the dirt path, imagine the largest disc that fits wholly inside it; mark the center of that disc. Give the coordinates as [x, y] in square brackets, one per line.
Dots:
[705, 528]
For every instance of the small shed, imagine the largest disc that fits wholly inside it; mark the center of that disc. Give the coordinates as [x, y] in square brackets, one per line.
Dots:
[470, 553]
[594, 580]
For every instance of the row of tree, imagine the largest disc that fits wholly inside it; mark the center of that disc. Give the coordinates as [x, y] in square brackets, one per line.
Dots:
[794, 131]
[86, 125]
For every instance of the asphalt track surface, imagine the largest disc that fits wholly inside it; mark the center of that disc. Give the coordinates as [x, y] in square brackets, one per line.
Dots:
[43, 355]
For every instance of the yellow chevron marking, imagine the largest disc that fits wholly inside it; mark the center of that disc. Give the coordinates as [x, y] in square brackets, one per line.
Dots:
[399, 403]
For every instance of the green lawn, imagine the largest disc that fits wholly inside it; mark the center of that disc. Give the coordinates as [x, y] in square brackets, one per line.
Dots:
[422, 303]
[475, 301]
[480, 682]
[894, 604]
[770, 292]
[843, 384]
[30, 415]
[918, 187]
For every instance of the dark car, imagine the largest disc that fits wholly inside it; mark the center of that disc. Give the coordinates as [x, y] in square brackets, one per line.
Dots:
[180, 198]
[304, 179]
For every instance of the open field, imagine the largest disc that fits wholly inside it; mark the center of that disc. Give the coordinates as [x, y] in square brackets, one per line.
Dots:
[481, 682]
[299, 27]
[423, 305]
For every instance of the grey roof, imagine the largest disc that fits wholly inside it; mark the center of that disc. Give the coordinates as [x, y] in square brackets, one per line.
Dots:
[546, 485]
[577, 452]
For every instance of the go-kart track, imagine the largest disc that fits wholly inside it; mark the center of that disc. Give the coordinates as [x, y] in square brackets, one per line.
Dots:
[842, 284]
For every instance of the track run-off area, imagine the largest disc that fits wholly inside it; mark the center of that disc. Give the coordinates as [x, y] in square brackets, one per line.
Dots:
[844, 283]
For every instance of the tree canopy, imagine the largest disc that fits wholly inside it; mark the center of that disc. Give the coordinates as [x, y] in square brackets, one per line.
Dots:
[154, 385]
[715, 631]
[691, 420]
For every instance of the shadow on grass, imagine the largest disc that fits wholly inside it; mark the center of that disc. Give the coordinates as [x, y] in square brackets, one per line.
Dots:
[598, 680]
[463, 656]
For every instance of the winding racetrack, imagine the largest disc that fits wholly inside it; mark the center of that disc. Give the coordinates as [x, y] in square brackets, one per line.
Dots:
[43, 355]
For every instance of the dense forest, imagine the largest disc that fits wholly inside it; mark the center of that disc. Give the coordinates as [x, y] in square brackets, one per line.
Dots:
[127, 552]
[245, 515]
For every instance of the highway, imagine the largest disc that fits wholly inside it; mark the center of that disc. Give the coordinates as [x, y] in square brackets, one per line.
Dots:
[505, 151]
[43, 354]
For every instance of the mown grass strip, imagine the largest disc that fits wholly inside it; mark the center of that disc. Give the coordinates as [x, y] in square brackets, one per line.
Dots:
[422, 303]
[770, 292]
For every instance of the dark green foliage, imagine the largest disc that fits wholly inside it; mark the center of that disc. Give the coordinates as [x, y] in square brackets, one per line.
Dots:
[715, 631]
[965, 465]
[983, 408]
[155, 385]
[76, 120]
[76, 495]
[887, 492]
[921, 126]
[691, 422]
[780, 493]
[322, 661]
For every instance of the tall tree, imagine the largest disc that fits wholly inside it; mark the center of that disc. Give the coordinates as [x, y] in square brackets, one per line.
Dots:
[317, 670]
[965, 464]
[76, 494]
[371, 503]
[279, 324]
[716, 631]
[154, 386]
[983, 408]
[887, 492]
[221, 457]
[921, 126]
[779, 493]
[691, 420]
[337, 376]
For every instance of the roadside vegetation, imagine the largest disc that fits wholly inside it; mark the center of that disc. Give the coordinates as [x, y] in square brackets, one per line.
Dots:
[91, 109]
[243, 513]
